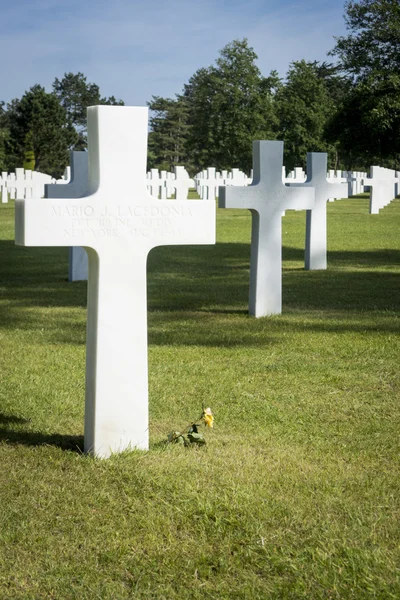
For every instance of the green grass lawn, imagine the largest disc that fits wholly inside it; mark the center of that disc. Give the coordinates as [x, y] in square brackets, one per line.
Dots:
[295, 495]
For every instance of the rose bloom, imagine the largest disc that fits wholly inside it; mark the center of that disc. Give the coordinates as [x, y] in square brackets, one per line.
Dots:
[208, 417]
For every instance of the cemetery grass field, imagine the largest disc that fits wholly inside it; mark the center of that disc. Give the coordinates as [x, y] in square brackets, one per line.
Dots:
[295, 495]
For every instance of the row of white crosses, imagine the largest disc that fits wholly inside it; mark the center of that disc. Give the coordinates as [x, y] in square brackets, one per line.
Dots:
[267, 198]
[118, 222]
[297, 174]
[209, 180]
[164, 185]
[354, 181]
[25, 183]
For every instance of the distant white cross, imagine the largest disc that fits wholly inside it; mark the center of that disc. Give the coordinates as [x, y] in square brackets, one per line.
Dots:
[17, 184]
[118, 222]
[4, 192]
[211, 183]
[383, 188]
[154, 183]
[76, 188]
[182, 183]
[266, 198]
[316, 239]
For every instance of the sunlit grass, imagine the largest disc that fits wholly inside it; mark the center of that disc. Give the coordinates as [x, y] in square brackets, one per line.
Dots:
[296, 494]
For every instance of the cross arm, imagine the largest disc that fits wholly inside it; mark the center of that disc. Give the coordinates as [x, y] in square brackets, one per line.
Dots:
[338, 190]
[240, 197]
[49, 222]
[184, 222]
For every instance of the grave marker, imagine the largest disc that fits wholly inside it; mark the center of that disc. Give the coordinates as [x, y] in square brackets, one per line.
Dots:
[119, 223]
[266, 199]
[316, 242]
[211, 183]
[182, 183]
[382, 188]
[17, 184]
[11, 186]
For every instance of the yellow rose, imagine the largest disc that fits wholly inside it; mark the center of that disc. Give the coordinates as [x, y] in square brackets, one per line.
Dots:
[208, 417]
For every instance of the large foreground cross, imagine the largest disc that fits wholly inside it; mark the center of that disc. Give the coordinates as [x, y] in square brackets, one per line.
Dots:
[118, 223]
[267, 197]
[316, 239]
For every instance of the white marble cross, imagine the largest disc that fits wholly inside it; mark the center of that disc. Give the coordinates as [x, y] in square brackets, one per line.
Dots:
[211, 183]
[299, 175]
[76, 188]
[182, 183]
[382, 184]
[316, 240]
[17, 184]
[118, 222]
[4, 192]
[163, 181]
[154, 183]
[266, 198]
[39, 180]
[10, 186]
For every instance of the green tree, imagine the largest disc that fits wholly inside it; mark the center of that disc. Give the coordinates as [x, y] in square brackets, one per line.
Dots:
[368, 122]
[303, 106]
[39, 118]
[29, 152]
[199, 93]
[373, 43]
[4, 135]
[168, 135]
[230, 104]
[75, 94]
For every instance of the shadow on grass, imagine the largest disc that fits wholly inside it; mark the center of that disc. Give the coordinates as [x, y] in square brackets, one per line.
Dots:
[6, 419]
[15, 436]
[209, 282]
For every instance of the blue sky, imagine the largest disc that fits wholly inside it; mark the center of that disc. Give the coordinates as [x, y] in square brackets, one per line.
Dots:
[134, 50]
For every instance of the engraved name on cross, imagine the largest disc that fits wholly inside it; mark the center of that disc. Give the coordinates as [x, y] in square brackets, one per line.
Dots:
[316, 239]
[266, 198]
[76, 188]
[118, 223]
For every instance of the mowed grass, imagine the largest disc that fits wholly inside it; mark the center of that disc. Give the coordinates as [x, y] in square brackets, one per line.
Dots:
[296, 494]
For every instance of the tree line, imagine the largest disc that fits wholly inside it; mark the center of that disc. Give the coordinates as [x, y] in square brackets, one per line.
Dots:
[349, 109]
[38, 130]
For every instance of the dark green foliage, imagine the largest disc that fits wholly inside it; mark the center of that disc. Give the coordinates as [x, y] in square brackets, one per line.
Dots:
[75, 94]
[199, 94]
[367, 123]
[223, 108]
[367, 126]
[230, 105]
[303, 106]
[39, 116]
[373, 43]
[3, 137]
[38, 130]
[29, 157]
[167, 139]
